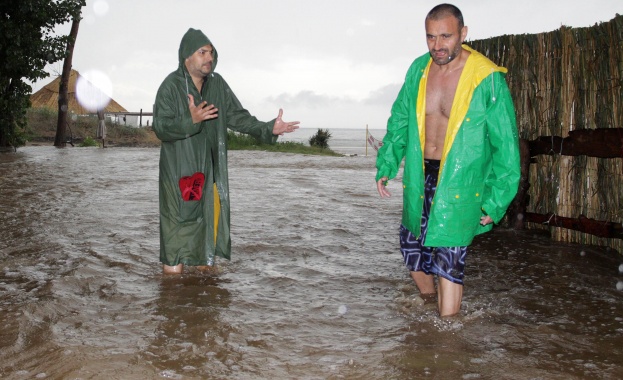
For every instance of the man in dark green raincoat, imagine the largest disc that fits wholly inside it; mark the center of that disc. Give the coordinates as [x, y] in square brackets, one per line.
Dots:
[193, 110]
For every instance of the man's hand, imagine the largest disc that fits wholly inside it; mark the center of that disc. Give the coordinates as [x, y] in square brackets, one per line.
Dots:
[282, 127]
[201, 112]
[381, 187]
[485, 220]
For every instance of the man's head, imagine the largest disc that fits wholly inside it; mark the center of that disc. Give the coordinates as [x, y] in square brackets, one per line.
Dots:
[200, 63]
[445, 32]
[197, 53]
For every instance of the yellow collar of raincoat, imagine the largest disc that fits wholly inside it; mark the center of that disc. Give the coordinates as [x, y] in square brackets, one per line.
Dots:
[477, 68]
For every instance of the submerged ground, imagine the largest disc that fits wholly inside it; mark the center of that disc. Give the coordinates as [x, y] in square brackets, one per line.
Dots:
[315, 290]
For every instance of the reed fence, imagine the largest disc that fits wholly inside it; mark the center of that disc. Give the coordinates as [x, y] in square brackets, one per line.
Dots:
[562, 81]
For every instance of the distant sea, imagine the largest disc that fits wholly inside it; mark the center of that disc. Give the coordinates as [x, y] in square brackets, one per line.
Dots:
[343, 140]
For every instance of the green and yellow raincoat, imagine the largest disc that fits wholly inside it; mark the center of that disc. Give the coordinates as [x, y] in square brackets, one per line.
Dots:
[480, 168]
[194, 232]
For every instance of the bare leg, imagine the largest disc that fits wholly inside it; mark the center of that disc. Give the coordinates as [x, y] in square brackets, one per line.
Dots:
[425, 283]
[450, 296]
[177, 269]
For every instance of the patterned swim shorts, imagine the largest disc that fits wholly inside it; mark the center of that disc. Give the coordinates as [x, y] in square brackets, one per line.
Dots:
[447, 262]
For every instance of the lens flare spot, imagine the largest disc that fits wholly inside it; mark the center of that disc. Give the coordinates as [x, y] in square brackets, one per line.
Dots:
[100, 7]
[93, 90]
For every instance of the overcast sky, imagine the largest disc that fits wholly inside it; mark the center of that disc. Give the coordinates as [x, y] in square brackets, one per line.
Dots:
[327, 63]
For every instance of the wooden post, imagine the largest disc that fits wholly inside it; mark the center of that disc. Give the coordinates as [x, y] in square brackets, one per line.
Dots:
[366, 140]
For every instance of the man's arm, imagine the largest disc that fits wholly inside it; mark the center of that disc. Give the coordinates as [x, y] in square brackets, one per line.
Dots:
[503, 181]
[240, 120]
[392, 152]
[172, 122]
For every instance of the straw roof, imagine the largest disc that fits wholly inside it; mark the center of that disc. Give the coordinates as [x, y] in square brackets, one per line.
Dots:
[47, 97]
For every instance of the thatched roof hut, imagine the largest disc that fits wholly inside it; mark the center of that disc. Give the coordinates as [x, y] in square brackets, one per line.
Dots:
[47, 97]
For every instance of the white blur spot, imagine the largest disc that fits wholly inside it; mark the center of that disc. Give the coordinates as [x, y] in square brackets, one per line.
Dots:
[520, 216]
[342, 309]
[582, 253]
[93, 90]
[620, 285]
[100, 7]
[621, 268]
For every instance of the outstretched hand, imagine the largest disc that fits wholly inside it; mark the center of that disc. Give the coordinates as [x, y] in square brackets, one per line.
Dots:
[282, 127]
[201, 112]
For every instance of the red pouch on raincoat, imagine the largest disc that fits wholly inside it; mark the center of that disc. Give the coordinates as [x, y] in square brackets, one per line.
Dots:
[192, 186]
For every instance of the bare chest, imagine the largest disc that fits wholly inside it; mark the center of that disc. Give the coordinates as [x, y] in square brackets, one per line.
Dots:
[440, 90]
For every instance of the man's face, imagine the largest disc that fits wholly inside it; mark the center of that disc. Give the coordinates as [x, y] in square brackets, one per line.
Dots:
[444, 39]
[200, 63]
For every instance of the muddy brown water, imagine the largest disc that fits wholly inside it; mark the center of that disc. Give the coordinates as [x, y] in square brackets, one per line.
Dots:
[316, 288]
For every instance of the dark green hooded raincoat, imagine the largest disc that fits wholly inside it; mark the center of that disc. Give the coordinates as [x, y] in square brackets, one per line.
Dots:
[187, 227]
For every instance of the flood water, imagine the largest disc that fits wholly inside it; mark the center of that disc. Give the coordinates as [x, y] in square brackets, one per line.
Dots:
[316, 288]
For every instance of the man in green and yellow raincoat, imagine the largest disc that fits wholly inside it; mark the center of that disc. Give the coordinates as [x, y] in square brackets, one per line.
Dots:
[194, 108]
[453, 123]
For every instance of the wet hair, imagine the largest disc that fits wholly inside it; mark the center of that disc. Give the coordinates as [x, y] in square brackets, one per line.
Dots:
[444, 10]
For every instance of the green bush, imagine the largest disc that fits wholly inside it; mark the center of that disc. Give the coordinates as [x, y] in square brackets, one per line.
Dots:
[320, 139]
[237, 140]
[88, 141]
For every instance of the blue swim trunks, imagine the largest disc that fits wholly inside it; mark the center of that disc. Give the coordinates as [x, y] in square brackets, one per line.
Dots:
[447, 262]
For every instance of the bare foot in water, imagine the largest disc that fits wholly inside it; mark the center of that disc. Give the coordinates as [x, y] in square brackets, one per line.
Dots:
[177, 269]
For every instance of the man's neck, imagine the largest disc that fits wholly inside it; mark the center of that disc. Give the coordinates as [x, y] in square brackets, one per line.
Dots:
[198, 81]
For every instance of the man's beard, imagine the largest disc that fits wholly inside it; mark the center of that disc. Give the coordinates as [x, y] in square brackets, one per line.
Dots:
[449, 58]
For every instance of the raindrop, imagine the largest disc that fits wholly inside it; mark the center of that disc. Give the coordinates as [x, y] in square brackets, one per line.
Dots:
[620, 285]
[342, 309]
[582, 253]
[621, 268]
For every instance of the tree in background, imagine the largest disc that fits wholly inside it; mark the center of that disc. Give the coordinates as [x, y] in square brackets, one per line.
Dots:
[27, 45]
[63, 101]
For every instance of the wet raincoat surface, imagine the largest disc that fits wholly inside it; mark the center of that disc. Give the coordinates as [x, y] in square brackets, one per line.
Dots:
[480, 168]
[187, 228]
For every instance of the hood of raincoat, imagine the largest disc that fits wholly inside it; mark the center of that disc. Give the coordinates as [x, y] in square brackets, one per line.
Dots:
[191, 42]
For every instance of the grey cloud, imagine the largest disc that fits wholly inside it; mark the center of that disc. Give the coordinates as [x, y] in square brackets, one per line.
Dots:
[307, 98]
[383, 96]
